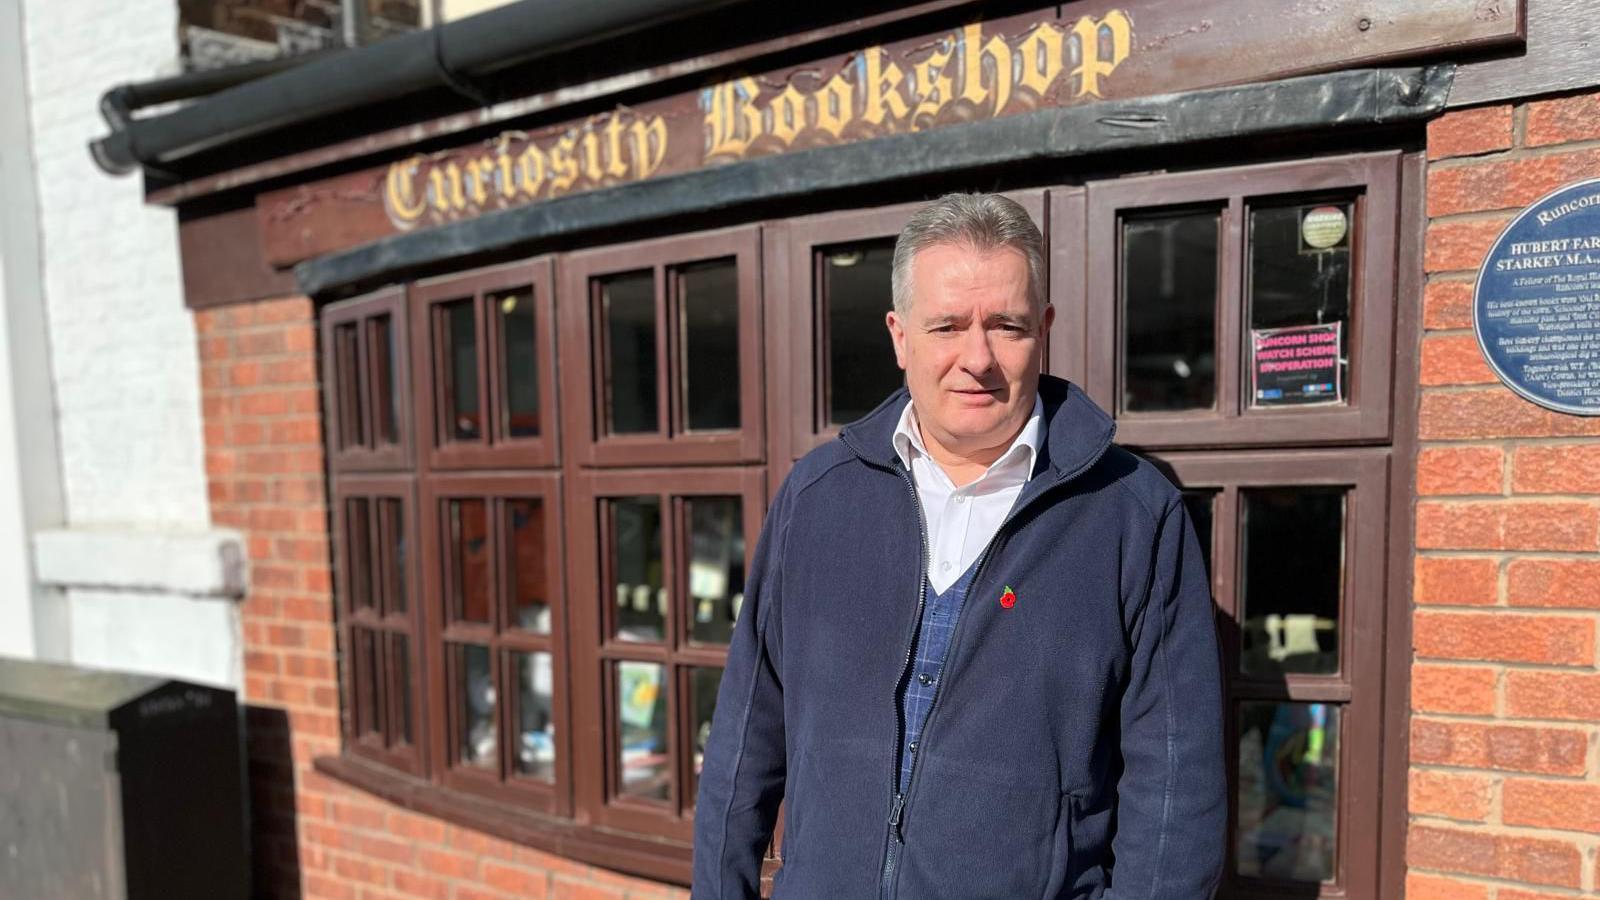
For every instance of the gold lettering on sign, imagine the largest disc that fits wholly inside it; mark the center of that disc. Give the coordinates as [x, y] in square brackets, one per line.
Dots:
[958, 76]
[515, 169]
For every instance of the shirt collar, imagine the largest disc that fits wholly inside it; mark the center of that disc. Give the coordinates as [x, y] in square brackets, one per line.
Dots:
[908, 439]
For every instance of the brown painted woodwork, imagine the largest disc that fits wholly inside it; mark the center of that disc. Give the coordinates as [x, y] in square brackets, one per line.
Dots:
[1371, 180]
[222, 260]
[1145, 48]
[358, 380]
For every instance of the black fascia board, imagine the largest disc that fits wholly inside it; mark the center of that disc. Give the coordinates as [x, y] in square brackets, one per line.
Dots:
[1338, 100]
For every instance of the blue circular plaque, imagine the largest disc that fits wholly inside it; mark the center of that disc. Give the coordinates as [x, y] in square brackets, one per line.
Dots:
[1536, 306]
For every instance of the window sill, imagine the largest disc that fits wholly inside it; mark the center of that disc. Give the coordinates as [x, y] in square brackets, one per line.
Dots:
[632, 854]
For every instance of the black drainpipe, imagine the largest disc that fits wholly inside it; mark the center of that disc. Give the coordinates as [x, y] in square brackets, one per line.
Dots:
[448, 55]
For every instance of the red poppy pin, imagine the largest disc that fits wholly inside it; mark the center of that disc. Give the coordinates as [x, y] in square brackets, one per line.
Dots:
[1009, 598]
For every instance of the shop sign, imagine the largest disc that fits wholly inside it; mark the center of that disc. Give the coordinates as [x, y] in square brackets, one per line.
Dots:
[1536, 305]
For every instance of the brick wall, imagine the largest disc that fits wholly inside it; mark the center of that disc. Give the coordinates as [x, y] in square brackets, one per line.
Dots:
[314, 837]
[1505, 695]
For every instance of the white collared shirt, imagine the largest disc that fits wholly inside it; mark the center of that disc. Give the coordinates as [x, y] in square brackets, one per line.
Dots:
[961, 521]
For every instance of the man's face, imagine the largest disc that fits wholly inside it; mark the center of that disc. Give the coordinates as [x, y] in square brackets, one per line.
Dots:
[971, 345]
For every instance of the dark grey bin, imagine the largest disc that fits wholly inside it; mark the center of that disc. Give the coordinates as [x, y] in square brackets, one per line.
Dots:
[115, 785]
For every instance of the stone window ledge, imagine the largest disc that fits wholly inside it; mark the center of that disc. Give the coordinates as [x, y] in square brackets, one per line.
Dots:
[191, 563]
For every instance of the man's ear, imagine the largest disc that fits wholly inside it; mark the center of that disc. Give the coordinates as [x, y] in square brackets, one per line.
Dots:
[897, 333]
[1049, 319]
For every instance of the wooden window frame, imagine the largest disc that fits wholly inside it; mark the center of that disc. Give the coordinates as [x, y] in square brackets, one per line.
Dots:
[1358, 685]
[494, 448]
[594, 649]
[494, 489]
[380, 619]
[1372, 180]
[369, 454]
[672, 443]
[800, 304]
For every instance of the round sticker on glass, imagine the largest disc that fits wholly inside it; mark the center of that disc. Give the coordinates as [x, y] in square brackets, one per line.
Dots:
[1323, 227]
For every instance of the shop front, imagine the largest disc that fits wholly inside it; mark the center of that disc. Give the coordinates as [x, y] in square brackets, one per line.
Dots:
[499, 395]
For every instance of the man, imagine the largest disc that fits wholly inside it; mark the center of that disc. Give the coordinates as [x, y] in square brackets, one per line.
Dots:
[977, 656]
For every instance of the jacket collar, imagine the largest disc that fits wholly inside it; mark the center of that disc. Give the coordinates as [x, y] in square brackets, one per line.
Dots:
[1077, 432]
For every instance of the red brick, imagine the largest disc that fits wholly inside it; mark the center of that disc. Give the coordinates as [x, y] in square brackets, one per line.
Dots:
[274, 312]
[418, 828]
[1563, 120]
[325, 888]
[1456, 580]
[1462, 690]
[1556, 469]
[1436, 887]
[447, 863]
[522, 882]
[1531, 860]
[260, 343]
[1461, 244]
[1511, 748]
[1459, 526]
[1447, 303]
[414, 885]
[1507, 893]
[1544, 639]
[1450, 795]
[1551, 804]
[1460, 470]
[1553, 695]
[357, 869]
[1469, 131]
[1479, 414]
[1552, 526]
[563, 889]
[264, 576]
[386, 849]
[1452, 359]
[1504, 183]
[1573, 583]
[296, 431]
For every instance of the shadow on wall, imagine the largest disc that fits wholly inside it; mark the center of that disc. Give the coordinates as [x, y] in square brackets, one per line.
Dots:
[274, 848]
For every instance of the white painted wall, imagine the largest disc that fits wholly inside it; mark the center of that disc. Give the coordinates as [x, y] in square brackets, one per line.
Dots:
[450, 10]
[123, 358]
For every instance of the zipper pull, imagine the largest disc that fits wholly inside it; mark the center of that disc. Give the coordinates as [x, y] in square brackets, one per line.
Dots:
[897, 816]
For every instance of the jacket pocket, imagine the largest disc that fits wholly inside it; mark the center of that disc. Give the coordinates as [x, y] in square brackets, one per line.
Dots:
[1061, 848]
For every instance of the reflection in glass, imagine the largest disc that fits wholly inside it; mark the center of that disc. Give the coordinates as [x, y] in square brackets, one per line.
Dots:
[519, 361]
[1300, 275]
[400, 688]
[628, 309]
[703, 684]
[640, 596]
[1293, 569]
[463, 418]
[1200, 505]
[642, 731]
[525, 542]
[859, 356]
[716, 567]
[385, 363]
[358, 550]
[709, 334]
[393, 524]
[347, 371]
[536, 727]
[368, 693]
[469, 559]
[1169, 307]
[475, 702]
[1288, 790]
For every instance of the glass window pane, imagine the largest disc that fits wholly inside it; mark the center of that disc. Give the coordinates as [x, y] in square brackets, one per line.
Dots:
[641, 597]
[400, 688]
[646, 765]
[716, 566]
[709, 332]
[347, 370]
[859, 356]
[525, 541]
[385, 352]
[475, 696]
[703, 685]
[1300, 280]
[1169, 304]
[1293, 569]
[536, 727]
[462, 416]
[1288, 790]
[393, 522]
[369, 696]
[1200, 505]
[519, 361]
[469, 554]
[358, 552]
[628, 310]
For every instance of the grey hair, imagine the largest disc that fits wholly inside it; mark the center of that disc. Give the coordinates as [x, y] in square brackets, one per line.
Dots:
[982, 222]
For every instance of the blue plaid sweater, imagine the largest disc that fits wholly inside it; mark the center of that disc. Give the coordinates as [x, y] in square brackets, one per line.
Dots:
[939, 615]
